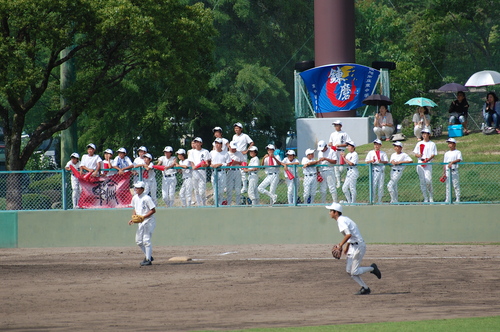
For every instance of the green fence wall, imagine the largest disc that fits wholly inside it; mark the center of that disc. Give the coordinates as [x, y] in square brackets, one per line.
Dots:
[264, 225]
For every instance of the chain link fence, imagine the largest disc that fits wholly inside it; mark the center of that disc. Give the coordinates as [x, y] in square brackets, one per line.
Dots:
[44, 190]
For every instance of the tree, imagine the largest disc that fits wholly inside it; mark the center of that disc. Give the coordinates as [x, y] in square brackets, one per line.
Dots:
[110, 39]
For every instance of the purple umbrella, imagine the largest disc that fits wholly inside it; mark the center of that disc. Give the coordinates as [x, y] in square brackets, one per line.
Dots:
[377, 100]
[452, 87]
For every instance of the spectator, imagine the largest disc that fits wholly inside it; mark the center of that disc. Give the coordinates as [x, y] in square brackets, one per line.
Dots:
[421, 120]
[491, 111]
[90, 162]
[383, 126]
[289, 160]
[351, 160]
[75, 184]
[272, 177]
[122, 162]
[310, 181]
[108, 163]
[327, 157]
[253, 178]
[168, 179]
[200, 158]
[338, 141]
[397, 158]
[186, 188]
[425, 151]
[377, 158]
[459, 111]
[279, 151]
[243, 143]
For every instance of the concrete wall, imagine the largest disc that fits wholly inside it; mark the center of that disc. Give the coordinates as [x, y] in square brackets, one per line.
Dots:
[265, 225]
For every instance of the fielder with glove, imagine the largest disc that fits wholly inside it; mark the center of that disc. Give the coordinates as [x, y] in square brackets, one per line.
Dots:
[355, 248]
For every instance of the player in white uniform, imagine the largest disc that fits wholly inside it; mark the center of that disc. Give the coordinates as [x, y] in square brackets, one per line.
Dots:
[149, 177]
[377, 158]
[291, 160]
[122, 163]
[143, 205]
[253, 178]
[452, 157]
[338, 140]
[310, 174]
[139, 160]
[168, 179]
[327, 157]
[218, 134]
[272, 177]
[233, 184]
[355, 248]
[75, 184]
[107, 165]
[200, 158]
[186, 188]
[90, 162]
[219, 158]
[425, 151]
[243, 143]
[351, 178]
[397, 159]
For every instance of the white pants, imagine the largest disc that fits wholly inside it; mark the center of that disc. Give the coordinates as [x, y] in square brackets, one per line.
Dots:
[199, 182]
[76, 191]
[310, 186]
[425, 175]
[151, 188]
[233, 185]
[378, 182]
[455, 179]
[392, 186]
[384, 131]
[338, 169]
[143, 237]
[329, 180]
[168, 189]
[355, 255]
[349, 187]
[253, 193]
[270, 180]
[221, 184]
[290, 189]
[185, 192]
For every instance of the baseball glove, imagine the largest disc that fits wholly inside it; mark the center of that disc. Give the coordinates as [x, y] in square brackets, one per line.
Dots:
[137, 219]
[337, 251]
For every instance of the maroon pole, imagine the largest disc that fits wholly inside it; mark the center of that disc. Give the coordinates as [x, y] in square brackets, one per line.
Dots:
[334, 38]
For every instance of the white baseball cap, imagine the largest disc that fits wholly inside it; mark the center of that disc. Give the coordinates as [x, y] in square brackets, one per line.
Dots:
[309, 151]
[321, 145]
[91, 145]
[181, 151]
[233, 145]
[122, 150]
[351, 143]
[398, 144]
[139, 184]
[425, 130]
[217, 129]
[168, 149]
[75, 155]
[253, 148]
[270, 147]
[238, 124]
[108, 151]
[219, 140]
[142, 148]
[377, 141]
[337, 122]
[198, 139]
[291, 152]
[148, 155]
[335, 206]
[451, 140]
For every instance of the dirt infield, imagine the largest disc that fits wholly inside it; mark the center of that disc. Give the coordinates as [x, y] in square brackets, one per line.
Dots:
[237, 287]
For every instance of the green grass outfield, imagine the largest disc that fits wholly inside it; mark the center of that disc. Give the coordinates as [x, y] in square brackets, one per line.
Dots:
[462, 324]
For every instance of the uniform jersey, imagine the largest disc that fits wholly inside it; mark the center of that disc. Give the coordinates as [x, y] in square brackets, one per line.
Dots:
[77, 166]
[330, 154]
[268, 162]
[122, 163]
[310, 170]
[142, 204]
[220, 157]
[450, 156]
[90, 162]
[167, 162]
[399, 157]
[197, 156]
[186, 172]
[242, 141]
[352, 157]
[238, 156]
[138, 161]
[348, 226]
[224, 145]
[339, 137]
[373, 156]
[427, 149]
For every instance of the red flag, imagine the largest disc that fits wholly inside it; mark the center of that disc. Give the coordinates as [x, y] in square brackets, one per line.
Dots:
[75, 171]
[422, 147]
[289, 175]
[203, 163]
[378, 154]
[106, 192]
[342, 161]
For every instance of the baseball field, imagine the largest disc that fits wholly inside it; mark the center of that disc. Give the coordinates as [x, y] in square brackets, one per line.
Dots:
[241, 287]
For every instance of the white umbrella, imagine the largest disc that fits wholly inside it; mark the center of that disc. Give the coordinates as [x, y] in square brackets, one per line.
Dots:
[484, 78]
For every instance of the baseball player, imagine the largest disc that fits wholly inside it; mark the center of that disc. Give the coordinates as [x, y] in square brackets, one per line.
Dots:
[272, 177]
[355, 248]
[425, 151]
[351, 160]
[253, 178]
[139, 160]
[200, 158]
[218, 134]
[219, 158]
[144, 206]
[289, 160]
[377, 158]
[309, 172]
[107, 163]
[327, 157]
[168, 179]
[397, 159]
[90, 162]
[122, 162]
[186, 188]
[233, 177]
[338, 141]
[452, 157]
[149, 177]
[75, 184]
[243, 143]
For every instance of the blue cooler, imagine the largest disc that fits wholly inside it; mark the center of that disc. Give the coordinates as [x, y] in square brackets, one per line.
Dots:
[455, 131]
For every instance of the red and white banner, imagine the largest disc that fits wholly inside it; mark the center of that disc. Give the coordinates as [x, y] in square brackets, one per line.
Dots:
[105, 191]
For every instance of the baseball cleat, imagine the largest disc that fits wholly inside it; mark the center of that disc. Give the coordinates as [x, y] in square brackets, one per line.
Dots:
[363, 291]
[145, 263]
[376, 271]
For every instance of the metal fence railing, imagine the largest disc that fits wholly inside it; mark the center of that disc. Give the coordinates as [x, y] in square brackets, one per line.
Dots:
[478, 183]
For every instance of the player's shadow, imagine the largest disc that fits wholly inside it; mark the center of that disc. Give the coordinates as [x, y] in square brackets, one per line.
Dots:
[391, 293]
